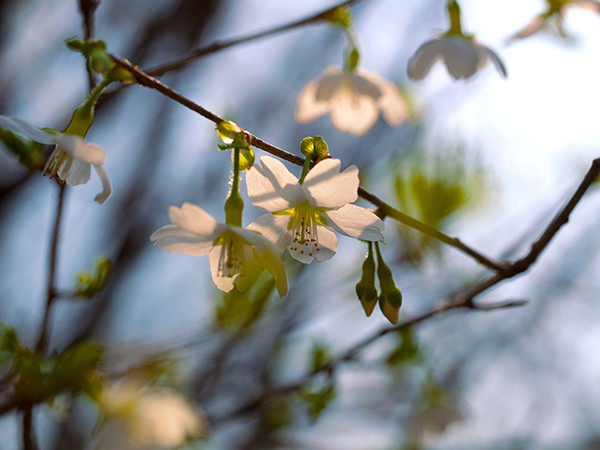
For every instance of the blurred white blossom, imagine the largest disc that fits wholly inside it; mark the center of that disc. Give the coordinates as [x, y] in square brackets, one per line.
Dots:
[137, 417]
[554, 16]
[72, 158]
[305, 217]
[236, 255]
[462, 55]
[353, 99]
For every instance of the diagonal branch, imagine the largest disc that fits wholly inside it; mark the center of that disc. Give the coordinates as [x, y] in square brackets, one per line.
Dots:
[220, 45]
[148, 81]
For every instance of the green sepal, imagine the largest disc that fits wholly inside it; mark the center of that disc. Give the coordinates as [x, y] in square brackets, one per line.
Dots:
[340, 16]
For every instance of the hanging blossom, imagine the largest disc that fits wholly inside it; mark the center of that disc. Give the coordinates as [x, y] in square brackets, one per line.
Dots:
[461, 53]
[237, 256]
[304, 217]
[554, 16]
[136, 417]
[72, 159]
[353, 99]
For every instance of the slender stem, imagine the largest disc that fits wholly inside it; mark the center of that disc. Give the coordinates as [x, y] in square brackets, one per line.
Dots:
[51, 294]
[87, 8]
[235, 187]
[148, 81]
[305, 168]
[96, 93]
[29, 442]
[218, 46]
[234, 206]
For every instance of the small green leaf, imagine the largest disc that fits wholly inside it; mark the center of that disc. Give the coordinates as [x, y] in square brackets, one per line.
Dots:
[320, 355]
[406, 352]
[316, 400]
[88, 284]
[28, 153]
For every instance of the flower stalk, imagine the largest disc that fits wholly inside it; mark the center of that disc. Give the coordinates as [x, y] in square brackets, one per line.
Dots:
[455, 21]
[234, 204]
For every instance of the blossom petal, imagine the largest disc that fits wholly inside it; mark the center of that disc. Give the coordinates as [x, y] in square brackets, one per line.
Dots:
[329, 83]
[489, 53]
[356, 222]
[461, 57]
[328, 243]
[351, 112]
[308, 108]
[272, 187]
[222, 282]
[172, 238]
[267, 255]
[537, 24]
[74, 172]
[326, 187]
[106, 186]
[194, 219]
[78, 148]
[252, 270]
[361, 84]
[26, 129]
[392, 104]
[275, 228]
[423, 60]
[590, 5]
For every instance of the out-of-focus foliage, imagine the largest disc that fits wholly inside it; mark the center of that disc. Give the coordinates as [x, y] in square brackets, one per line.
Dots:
[320, 355]
[276, 413]
[239, 310]
[317, 399]
[89, 284]
[433, 189]
[406, 352]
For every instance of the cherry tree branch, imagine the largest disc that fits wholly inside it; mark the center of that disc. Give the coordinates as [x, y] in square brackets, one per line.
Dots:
[87, 8]
[461, 300]
[146, 80]
[216, 46]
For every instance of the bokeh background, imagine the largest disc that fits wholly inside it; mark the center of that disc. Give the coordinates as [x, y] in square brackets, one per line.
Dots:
[510, 151]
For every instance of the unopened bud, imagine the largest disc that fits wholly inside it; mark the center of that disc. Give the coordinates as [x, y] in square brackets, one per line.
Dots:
[307, 147]
[100, 61]
[321, 148]
[365, 289]
[76, 44]
[390, 298]
[228, 130]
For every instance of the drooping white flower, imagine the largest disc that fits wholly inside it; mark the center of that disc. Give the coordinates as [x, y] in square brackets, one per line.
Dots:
[554, 16]
[137, 417]
[72, 158]
[305, 217]
[462, 55]
[237, 256]
[353, 100]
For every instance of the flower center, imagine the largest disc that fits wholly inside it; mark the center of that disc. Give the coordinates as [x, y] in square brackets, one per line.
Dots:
[232, 259]
[304, 228]
[59, 159]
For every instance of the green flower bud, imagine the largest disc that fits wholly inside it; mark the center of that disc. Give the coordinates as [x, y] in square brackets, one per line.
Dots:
[307, 147]
[228, 130]
[321, 148]
[76, 44]
[365, 289]
[100, 61]
[390, 298]
[246, 158]
[122, 75]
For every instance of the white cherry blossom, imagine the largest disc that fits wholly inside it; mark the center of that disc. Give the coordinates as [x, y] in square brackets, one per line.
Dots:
[353, 100]
[237, 256]
[462, 55]
[137, 417]
[554, 16]
[71, 160]
[305, 217]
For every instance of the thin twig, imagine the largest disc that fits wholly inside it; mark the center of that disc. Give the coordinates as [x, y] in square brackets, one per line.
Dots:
[87, 8]
[42, 341]
[29, 442]
[461, 300]
[148, 81]
[218, 46]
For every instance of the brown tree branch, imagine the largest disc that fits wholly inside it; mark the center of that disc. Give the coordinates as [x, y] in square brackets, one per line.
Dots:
[148, 81]
[87, 8]
[180, 63]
